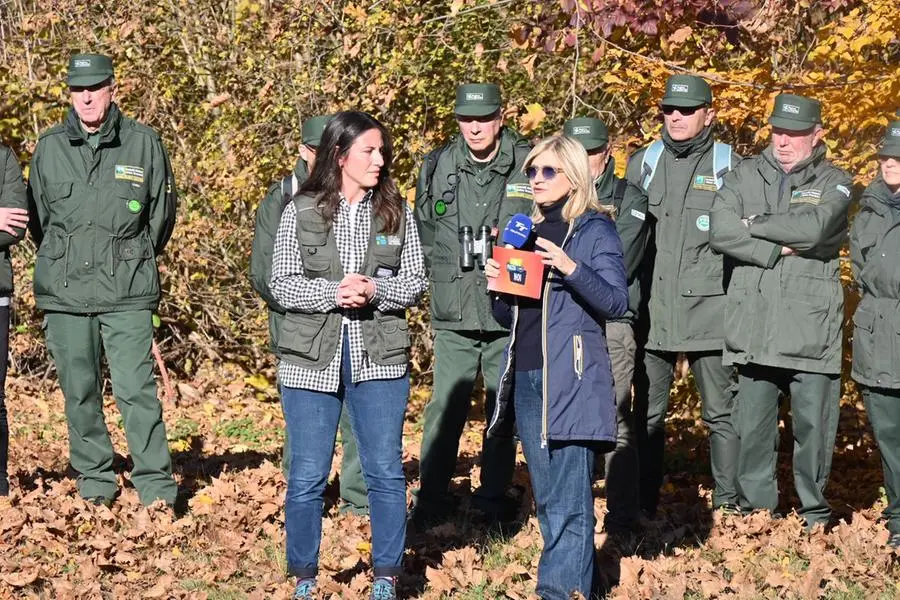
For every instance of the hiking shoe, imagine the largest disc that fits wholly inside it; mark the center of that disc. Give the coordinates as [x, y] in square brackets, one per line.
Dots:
[100, 501]
[305, 589]
[384, 588]
[730, 509]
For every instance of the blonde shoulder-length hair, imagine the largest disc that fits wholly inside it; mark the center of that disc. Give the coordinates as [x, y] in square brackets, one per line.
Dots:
[573, 160]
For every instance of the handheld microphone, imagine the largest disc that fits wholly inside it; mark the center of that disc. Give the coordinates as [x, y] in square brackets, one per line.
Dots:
[517, 231]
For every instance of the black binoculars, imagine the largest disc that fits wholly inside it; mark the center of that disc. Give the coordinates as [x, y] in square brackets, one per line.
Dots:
[473, 248]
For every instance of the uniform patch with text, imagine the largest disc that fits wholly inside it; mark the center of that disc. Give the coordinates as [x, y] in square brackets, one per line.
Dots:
[811, 196]
[705, 182]
[130, 173]
[519, 190]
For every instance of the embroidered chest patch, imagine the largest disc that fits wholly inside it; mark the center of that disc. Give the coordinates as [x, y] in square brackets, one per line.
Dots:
[130, 173]
[703, 223]
[705, 182]
[810, 196]
[519, 190]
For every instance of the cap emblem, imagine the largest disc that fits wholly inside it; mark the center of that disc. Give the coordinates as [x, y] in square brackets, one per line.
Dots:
[680, 87]
[790, 108]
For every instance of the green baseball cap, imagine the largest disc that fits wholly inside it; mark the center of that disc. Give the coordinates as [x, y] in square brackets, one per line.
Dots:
[592, 133]
[795, 113]
[890, 145]
[86, 70]
[313, 128]
[687, 91]
[477, 99]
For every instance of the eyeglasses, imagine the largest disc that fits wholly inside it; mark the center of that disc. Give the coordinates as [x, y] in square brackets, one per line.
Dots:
[685, 111]
[547, 173]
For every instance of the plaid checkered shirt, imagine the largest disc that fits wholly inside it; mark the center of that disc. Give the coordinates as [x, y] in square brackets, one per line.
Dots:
[296, 292]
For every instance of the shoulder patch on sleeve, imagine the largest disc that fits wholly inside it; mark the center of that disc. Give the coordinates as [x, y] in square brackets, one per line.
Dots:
[638, 214]
[844, 190]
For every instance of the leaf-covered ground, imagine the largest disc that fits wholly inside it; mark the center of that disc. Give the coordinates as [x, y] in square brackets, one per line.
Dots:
[226, 542]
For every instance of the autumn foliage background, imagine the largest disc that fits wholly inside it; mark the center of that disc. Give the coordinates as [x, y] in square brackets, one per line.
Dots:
[227, 83]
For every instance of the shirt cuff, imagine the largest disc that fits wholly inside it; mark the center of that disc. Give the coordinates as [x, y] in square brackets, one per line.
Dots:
[380, 292]
[331, 289]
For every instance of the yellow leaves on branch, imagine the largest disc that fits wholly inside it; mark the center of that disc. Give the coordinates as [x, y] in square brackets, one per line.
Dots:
[533, 117]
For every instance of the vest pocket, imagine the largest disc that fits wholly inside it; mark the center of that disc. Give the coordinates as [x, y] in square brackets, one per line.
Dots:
[393, 334]
[300, 334]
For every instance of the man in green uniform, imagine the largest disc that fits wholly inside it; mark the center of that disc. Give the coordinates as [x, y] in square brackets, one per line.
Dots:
[781, 219]
[103, 207]
[680, 174]
[472, 183]
[268, 216]
[631, 224]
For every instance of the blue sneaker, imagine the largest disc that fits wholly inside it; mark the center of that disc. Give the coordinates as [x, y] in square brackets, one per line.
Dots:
[305, 589]
[384, 588]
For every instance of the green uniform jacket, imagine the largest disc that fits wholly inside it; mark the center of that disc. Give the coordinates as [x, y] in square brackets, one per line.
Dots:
[875, 250]
[633, 230]
[12, 195]
[100, 217]
[687, 290]
[783, 311]
[268, 217]
[489, 195]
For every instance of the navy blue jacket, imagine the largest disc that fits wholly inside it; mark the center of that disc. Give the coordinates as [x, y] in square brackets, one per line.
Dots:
[579, 396]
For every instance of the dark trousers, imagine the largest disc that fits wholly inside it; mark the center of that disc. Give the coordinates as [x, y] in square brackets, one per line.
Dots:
[457, 359]
[715, 383]
[622, 463]
[883, 408]
[815, 399]
[74, 342]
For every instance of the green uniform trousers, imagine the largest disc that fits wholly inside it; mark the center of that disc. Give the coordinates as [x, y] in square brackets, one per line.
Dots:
[883, 408]
[715, 383]
[815, 400]
[622, 463]
[74, 342]
[354, 494]
[457, 356]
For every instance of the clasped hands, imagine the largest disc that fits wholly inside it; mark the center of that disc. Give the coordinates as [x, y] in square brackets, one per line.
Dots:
[355, 291]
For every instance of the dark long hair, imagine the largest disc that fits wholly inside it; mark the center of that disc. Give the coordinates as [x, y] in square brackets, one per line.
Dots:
[325, 180]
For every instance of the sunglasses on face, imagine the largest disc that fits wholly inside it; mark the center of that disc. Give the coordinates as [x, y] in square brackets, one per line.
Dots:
[685, 111]
[547, 173]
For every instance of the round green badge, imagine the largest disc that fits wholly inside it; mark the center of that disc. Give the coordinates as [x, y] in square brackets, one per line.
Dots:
[134, 206]
[440, 207]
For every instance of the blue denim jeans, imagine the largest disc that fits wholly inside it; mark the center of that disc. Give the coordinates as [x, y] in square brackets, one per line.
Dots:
[561, 482]
[376, 411]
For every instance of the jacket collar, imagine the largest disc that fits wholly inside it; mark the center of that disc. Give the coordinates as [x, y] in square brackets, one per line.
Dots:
[804, 171]
[109, 131]
[606, 183]
[301, 170]
[502, 163]
[879, 197]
